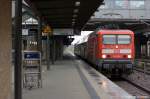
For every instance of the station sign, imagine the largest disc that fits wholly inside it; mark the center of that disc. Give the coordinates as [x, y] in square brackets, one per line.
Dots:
[65, 31]
[46, 31]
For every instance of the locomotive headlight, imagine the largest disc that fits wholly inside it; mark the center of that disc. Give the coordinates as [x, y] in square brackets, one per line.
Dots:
[103, 56]
[129, 56]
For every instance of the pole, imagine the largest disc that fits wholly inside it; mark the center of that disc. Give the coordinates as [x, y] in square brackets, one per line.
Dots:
[62, 46]
[48, 53]
[40, 35]
[144, 70]
[18, 54]
[53, 50]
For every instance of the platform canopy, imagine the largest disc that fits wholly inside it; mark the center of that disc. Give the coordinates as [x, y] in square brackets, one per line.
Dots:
[65, 13]
[27, 13]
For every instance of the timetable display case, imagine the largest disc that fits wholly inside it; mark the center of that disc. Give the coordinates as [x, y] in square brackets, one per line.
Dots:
[32, 71]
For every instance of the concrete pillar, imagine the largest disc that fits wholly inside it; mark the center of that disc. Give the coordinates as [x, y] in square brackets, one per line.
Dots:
[5, 49]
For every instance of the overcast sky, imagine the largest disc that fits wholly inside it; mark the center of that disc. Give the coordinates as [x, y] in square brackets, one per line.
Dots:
[83, 33]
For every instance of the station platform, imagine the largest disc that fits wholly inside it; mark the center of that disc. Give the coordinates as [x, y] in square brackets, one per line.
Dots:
[71, 78]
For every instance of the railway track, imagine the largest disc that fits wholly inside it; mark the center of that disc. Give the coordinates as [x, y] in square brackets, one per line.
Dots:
[132, 88]
[137, 83]
[142, 71]
[139, 90]
[139, 87]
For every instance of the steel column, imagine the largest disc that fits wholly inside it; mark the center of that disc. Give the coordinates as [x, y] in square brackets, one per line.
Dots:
[62, 48]
[56, 49]
[53, 50]
[18, 49]
[39, 35]
[48, 52]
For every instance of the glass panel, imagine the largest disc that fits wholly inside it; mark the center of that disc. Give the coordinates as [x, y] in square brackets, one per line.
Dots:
[137, 4]
[106, 5]
[124, 39]
[121, 4]
[109, 39]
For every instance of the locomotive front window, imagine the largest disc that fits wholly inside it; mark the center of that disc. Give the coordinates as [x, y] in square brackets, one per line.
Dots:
[124, 39]
[109, 39]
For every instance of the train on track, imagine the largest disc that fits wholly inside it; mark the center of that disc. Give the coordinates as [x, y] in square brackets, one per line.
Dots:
[111, 51]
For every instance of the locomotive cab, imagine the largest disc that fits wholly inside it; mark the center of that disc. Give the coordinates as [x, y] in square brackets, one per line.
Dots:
[111, 51]
[116, 51]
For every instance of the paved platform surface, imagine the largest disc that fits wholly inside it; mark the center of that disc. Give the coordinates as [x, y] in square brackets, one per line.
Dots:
[73, 79]
[61, 82]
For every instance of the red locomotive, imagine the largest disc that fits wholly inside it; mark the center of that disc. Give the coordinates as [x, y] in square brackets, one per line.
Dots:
[111, 51]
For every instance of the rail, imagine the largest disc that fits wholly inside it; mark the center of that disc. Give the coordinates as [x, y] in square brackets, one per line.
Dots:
[144, 65]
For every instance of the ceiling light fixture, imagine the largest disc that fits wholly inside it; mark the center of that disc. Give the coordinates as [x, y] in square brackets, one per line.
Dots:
[73, 19]
[74, 16]
[77, 3]
[76, 10]
[73, 22]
